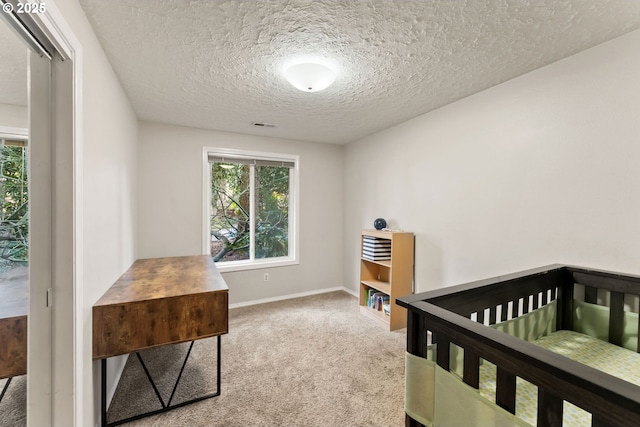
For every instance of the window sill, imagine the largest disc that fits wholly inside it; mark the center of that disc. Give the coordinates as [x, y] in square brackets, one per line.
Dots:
[230, 266]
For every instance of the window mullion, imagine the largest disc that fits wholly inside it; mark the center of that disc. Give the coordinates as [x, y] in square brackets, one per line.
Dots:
[252, 212]
[290, 218]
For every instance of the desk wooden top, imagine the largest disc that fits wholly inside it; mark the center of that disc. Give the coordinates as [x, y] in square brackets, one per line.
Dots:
[155, 278]
[160, 301]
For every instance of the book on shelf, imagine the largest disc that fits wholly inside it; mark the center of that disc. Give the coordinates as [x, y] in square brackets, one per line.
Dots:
[376, 254]
[370, 297]
[386, 308]
[375, 240]
[377, 300]
[371, 245]
[376, 258]
[376, 249]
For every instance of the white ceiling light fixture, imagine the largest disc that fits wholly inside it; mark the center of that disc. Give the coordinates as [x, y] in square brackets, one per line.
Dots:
[310, 76]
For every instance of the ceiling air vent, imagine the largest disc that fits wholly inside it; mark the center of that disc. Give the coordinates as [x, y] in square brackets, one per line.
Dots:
[263, 125]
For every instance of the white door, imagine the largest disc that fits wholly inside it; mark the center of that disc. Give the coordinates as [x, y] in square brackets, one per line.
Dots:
[17, 239]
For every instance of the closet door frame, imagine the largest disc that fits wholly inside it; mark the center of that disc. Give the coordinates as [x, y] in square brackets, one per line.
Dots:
[67, 317]
[55, 335]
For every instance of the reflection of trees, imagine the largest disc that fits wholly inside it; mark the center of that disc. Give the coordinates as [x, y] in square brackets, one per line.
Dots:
[272, 212]
[231, 207]
[14, 220]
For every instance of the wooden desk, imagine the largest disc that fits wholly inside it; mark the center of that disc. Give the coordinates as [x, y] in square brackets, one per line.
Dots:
[14, 306]
[156, 302]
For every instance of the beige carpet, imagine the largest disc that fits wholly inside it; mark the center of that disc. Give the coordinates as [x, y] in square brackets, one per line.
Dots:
[313, 361]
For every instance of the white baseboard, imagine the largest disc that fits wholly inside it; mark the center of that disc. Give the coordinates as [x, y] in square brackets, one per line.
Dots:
[291, 296]
[350, 291]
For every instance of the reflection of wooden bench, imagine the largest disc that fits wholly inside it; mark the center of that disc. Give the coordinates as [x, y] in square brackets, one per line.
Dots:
[14, 307]
[156, 302]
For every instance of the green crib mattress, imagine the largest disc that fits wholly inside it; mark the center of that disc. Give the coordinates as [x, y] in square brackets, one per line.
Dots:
[601, 355]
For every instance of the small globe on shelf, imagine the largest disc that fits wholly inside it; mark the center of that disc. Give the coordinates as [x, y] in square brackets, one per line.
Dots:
[379, 223]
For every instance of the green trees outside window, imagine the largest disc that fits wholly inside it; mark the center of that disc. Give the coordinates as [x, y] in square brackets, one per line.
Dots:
[14, 219]
[249, 211]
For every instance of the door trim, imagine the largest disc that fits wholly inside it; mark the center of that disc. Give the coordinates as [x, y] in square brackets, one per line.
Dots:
[67, 395]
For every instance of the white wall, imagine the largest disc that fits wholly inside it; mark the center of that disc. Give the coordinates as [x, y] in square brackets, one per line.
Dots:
[538, 170]
[170, 206]
[109, 192]
[14, 116]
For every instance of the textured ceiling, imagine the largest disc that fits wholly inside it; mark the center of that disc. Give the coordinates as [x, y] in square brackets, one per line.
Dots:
[218, 64]
[13, 67]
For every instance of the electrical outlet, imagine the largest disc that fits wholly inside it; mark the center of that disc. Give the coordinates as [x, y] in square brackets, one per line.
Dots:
[266, 277]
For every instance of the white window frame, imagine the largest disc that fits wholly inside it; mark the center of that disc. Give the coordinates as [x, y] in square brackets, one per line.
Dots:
[294, 208]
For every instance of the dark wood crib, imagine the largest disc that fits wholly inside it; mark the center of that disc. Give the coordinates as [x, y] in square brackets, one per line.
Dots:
[459, 315]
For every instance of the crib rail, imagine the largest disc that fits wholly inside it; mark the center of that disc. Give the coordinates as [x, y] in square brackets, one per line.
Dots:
[500, 298]
[617, 286]
[446, 315]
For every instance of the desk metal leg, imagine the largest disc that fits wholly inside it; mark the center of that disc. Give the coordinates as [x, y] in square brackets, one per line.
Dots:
[165, 407]
[6, 385]
[219, 364]
[103, 392]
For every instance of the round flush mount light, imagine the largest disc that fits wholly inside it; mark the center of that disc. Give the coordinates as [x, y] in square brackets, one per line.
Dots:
[309, 76]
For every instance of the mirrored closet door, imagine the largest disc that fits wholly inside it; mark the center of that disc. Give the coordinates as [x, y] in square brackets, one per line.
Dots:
[14, 227]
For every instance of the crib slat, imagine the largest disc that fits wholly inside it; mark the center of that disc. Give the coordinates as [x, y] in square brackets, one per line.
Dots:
[503, 311]
[591, 294]
[638, 349]
[616, 318]
[549, 409]
[480, 317]
[506, 390]
[416, 335]
[492, 316]
[536, 301]
[545, 297]
[471, 372]
[564, 296]
[443, 352]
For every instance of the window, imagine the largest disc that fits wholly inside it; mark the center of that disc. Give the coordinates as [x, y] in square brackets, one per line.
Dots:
[14, 218]
[251, 209]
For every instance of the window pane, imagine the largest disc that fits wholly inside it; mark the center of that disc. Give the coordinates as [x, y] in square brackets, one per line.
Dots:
[14, 226]
[14, 274]
[230, 212]
[272, 212]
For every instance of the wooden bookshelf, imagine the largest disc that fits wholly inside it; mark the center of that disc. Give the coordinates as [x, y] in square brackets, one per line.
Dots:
[393, 277]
